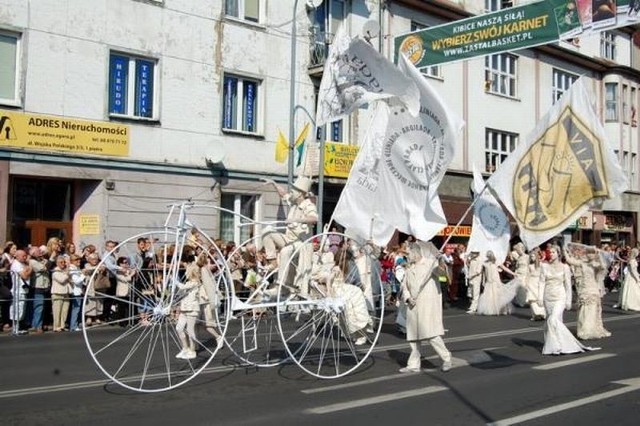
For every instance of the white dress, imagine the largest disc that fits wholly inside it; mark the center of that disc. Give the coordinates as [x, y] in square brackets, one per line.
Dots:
[522, 272]
[590, 293]
[496, 297]
[533, 286]
[630, 291]
[424, 321]
[556, 289]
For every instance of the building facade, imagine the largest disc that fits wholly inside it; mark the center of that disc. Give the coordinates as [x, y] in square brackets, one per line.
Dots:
[113, 109]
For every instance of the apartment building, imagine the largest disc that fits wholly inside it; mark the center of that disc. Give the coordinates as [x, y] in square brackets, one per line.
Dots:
[113, 109]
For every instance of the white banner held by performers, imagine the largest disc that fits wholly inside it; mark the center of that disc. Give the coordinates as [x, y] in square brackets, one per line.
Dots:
[356, 74]
[393, 183]
[491, 230]
[547, 182]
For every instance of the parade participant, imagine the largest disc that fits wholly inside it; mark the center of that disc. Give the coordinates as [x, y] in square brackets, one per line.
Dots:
[590, 291]
[521, 270]
[474, 280]
[629, 299]
[302, 215]
[366, 260]
[555, 288]
[209, 297]
[189, 311]
[422, 294]
[496, 297]
[533, 285]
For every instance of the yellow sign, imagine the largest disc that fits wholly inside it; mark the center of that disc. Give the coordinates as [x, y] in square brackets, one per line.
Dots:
[460, 231]
[561, 172]
[49, 133]
[338, 159]
[89, 224]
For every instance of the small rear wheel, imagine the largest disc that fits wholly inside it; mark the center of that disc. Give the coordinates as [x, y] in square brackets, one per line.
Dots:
[330, 306]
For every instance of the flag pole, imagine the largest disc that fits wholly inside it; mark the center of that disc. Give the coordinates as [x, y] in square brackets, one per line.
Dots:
[476, 197]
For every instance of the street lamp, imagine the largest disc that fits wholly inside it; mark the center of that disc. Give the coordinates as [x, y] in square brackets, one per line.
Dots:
[292, 86]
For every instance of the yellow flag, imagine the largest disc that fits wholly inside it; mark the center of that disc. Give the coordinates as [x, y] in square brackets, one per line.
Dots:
[282, 147]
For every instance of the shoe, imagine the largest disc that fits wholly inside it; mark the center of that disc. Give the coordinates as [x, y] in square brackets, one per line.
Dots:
[181, 354]
[39, 330]
[616, 306]
[409, 370]
[190, 355]
[446, 366]
[77, 329]
[361, 341]
[22, 332]
[471, 312]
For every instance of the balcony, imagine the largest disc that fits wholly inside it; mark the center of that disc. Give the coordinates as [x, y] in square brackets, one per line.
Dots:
[319, 42]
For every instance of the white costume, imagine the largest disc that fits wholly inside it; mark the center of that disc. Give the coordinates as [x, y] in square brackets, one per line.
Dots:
[522, 271]
[423, 296]
[496, 297]
[533, 286]
[474, 277]
[555, 286]
[629, 298]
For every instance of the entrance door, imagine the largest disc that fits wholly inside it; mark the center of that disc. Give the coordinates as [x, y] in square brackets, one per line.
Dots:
[40, 209]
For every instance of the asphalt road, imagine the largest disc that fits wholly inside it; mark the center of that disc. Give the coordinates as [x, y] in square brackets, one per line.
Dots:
[499, 377]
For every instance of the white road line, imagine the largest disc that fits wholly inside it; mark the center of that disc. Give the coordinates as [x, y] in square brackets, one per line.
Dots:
[359, 383]
[98, 383]
[574, 361]
[630, 386]
[374, 400]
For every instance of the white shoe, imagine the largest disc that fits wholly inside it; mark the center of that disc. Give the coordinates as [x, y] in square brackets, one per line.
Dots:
[470, 311]
[446, 366]
[409, 370]
[190, 355]
[219, 342]
[361, 341]
[181, 354]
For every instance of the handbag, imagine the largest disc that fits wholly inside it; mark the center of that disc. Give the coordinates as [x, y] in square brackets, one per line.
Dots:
[101, 281]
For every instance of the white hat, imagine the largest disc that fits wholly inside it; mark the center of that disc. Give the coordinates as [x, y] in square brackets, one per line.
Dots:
[302, 184]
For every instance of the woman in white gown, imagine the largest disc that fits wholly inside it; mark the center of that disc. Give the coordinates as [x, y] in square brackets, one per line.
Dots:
[555, 288]
[629, 298]
[522, 271]
[496, 297]
[533, 284]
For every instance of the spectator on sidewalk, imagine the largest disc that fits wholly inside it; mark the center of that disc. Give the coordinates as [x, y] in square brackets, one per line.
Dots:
[21, 276]
[42, 287]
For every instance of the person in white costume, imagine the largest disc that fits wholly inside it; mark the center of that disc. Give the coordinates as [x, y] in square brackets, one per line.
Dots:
[590, 290]
[369, 272]
[521, 271]
[629, 297]
[555, 288]
[189, 311]
[302, 215]
[422, 294]
[474, 280]
[533, 285]
[496, 297]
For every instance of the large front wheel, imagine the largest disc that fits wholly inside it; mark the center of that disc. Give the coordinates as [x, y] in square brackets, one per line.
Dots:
[132, 310]
[330, 305]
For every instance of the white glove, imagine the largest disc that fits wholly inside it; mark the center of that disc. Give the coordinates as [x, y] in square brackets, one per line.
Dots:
[411, 303]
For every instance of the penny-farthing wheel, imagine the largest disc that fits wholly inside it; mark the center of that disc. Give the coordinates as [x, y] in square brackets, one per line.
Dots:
[136, 343]
[253, 334]
[329, 310]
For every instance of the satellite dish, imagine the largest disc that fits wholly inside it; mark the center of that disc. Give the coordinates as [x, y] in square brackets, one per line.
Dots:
[312, 4]
[371, 29]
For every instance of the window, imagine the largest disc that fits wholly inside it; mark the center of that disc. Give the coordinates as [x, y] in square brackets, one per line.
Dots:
[633, 170]
[611, 101]
[562, 81]
[247, 10]
[625, 161]
[492, 5]
[239, 204]
[132, 82]
[608, 45]
[9, 47]
[498, 146]
[332, 132]
[634, 107]
[240, 104]
[501, 74]
[434, 70]
[626, 114]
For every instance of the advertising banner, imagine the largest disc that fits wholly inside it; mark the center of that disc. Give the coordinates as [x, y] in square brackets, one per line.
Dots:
[49, 133]
[514, 28]
[338, 159]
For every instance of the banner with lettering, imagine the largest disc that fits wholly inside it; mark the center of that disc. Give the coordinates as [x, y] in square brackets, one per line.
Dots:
[514, 28]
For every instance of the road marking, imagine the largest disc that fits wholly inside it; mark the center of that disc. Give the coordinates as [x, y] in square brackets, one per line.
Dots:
[630, 385]
[359, 383]
[574, 361]
[98, 383]
[374, 400]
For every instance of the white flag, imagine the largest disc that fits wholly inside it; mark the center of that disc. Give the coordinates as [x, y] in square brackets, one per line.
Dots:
[547, 182]
[356, 74]
[394, 180]
[490, 230]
